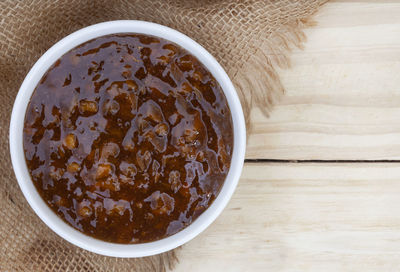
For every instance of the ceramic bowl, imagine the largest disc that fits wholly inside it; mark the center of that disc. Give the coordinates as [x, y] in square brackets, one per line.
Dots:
[56, 223]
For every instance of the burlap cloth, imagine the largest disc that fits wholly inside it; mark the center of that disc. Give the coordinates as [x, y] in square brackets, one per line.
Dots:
[249, 38]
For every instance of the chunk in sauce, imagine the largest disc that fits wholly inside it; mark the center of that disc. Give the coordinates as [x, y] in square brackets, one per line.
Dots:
[128, 138]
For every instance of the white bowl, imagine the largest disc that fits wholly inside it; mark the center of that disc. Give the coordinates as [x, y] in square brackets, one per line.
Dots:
[57, 224]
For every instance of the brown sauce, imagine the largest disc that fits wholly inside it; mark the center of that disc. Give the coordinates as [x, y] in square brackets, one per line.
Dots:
[128, 138]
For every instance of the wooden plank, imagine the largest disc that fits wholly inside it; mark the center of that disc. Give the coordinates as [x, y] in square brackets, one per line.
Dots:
[305, 217]
[343, 90]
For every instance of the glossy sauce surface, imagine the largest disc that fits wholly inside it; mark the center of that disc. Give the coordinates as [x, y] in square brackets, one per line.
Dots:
[128, 138]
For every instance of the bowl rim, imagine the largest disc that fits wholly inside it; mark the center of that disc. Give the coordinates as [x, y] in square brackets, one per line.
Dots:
[18, 157]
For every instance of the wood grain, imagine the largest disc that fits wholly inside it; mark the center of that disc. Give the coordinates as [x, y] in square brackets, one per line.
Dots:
[305, 217]
[342, 103]
[342, 98]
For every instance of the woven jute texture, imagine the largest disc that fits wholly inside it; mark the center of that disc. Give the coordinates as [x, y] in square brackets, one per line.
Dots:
[250, 38]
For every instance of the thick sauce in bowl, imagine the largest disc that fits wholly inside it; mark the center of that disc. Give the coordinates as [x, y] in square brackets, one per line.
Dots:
[128, 138]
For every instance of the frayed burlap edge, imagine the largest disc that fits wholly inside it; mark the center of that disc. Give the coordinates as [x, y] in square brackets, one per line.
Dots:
[258, 83]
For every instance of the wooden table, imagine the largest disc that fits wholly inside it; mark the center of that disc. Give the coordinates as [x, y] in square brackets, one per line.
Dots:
[325, 195]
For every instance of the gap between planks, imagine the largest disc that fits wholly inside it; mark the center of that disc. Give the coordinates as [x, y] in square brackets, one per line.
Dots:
[317, 161]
